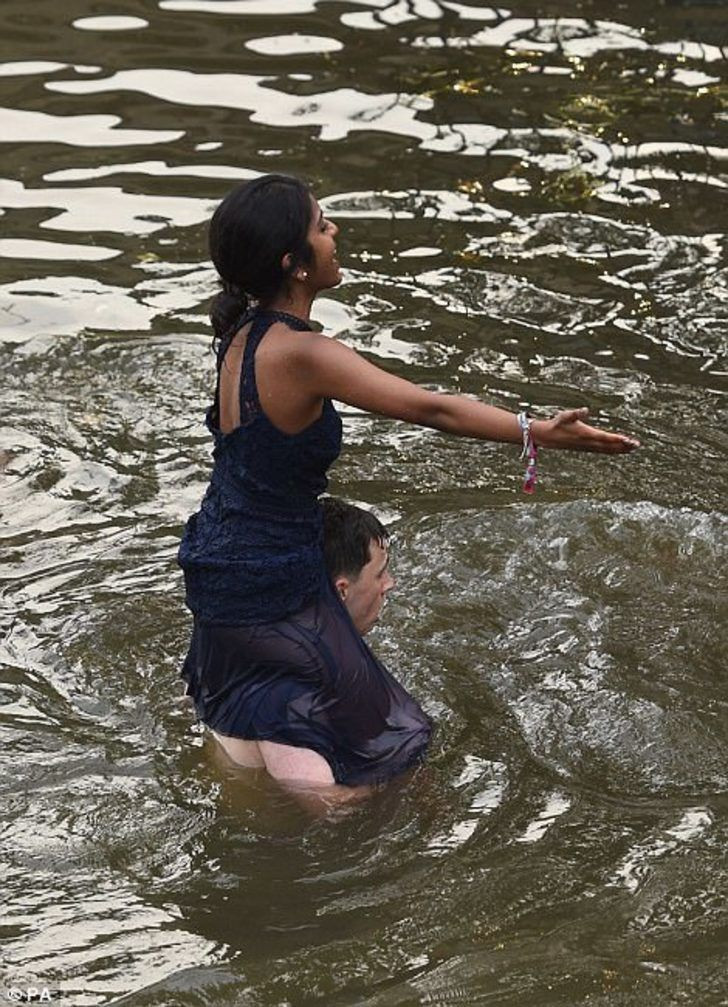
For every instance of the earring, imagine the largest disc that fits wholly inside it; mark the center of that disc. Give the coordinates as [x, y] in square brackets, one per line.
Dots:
[304, 275]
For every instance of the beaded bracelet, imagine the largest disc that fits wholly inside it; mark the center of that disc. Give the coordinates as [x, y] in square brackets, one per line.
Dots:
[529, 453]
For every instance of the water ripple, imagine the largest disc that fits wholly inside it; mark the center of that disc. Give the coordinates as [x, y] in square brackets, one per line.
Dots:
[23, 126]
[529, 212]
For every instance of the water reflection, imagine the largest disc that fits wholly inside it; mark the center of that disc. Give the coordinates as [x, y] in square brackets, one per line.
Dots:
[110, 23]
[19, 248]
[530, 211]
[23, 126]
[106, 208]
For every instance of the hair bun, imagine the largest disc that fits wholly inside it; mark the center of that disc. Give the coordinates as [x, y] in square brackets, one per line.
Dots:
[236, 292]
[226, 310]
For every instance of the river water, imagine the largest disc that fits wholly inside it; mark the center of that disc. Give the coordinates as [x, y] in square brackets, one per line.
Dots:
[532, 206]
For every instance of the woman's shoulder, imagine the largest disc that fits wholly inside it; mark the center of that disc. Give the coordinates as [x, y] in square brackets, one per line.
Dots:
[297, 345]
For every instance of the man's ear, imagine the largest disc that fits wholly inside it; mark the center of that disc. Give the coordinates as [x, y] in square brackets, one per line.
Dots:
[342, 586]
[287, 262]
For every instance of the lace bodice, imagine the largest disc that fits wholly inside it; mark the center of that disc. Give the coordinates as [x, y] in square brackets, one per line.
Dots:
[253, 552]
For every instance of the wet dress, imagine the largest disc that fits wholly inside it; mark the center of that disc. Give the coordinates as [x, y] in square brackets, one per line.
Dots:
[274, 655]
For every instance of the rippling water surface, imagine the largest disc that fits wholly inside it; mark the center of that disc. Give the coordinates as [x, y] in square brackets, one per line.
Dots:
[532, 204]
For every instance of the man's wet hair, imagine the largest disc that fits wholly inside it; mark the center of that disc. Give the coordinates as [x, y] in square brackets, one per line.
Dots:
[348, 530]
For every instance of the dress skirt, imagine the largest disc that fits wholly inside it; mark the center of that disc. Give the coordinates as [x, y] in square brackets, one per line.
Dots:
[310, 681]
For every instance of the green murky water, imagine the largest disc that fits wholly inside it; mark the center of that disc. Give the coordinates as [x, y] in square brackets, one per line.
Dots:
[532, 204]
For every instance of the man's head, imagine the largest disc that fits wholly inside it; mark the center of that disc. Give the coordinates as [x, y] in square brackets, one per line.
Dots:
[357, 560]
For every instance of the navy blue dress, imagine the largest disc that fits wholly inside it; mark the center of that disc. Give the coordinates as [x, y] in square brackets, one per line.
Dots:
[274, 654]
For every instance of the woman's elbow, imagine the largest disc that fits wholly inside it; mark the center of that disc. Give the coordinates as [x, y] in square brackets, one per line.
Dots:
[435, 411]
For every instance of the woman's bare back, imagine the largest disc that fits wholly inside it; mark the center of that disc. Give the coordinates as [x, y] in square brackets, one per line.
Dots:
[281, 398]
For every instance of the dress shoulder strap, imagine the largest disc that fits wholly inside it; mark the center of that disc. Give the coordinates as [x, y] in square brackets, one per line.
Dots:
[262, 321]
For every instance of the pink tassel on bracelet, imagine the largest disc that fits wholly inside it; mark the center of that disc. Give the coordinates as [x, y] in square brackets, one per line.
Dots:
[529, 453]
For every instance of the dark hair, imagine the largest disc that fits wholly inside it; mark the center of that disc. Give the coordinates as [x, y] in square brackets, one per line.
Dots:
[251, 230]
[348, 530]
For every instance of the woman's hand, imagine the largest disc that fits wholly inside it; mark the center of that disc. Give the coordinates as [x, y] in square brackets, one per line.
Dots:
[568, 431]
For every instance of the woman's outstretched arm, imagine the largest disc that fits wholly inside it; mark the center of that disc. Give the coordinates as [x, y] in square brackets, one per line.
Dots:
[328, 369]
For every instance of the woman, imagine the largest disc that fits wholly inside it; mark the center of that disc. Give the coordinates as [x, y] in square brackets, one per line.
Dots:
[276, 667]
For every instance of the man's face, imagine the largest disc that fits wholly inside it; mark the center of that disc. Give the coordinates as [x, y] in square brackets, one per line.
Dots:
[364, 595]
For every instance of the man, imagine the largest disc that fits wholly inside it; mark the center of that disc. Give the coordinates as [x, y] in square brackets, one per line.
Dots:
[357, 559]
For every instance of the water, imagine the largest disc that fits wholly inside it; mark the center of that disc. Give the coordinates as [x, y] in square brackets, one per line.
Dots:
[532, 204]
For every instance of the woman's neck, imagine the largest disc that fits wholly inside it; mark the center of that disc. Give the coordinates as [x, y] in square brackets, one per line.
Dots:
[298, 304]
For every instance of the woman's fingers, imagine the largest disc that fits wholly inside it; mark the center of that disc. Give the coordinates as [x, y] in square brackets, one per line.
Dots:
[593, 439]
